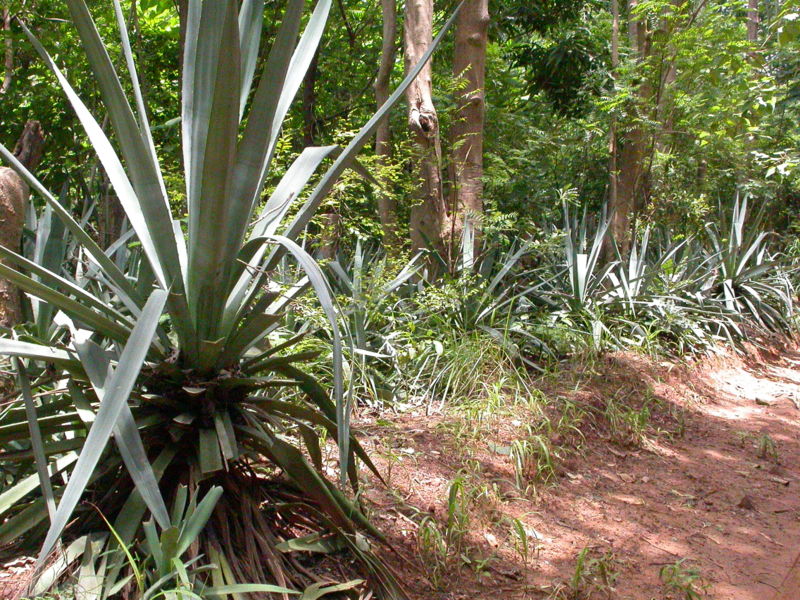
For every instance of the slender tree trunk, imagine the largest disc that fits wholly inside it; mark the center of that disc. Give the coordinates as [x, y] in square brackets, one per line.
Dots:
[14, 194]
[469, 62]
[310, 101]
[428, 220]
[110, 215]
[387, 206]
[329, 236]
[613, 176]
[752, 21]
[9, 53]
[633, 149]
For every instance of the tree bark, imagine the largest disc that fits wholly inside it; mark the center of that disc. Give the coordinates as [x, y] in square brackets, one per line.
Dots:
[633, 148]
[310, 101]
[469, 62]
[387, 206]
[429, 222]
[9, 53]
[613, 176]
[752, 21]
[14, 195]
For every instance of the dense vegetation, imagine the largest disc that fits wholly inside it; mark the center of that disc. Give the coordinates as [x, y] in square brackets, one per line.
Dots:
[217, 275]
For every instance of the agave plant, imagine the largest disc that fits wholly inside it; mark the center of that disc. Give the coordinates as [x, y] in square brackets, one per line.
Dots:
[745, 276]
[168, 351]
[370, 286]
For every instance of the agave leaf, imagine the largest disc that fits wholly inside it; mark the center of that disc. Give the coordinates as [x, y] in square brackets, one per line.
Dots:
[283, 73]
[251, 18]
[320, 285]
[282, 76]
[317, 590]
[119, 388]
[43, 274]
[130, 516]
[98, 368]
[48, 253]
[197, 520]
[53, 572]
[70, 306]
[10, 497]
[214, 115]
[247, 588]
[37, 352]
[141, 108]
[289, 188]
[22, 522]
[304, 413]
[37, 445]
[292, 461]
[248, 335]
[209, 451]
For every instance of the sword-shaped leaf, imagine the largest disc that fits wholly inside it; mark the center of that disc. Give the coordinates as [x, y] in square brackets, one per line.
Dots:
[119, 388]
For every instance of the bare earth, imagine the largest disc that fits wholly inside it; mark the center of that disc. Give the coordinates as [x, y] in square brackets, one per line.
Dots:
[714, 481]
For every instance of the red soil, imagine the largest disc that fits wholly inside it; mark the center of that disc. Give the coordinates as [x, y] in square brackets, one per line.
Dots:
[724, 495]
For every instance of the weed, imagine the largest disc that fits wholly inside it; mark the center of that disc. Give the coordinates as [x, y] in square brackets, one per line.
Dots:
[534, 460]
[392, 459]
[434, 549]
[626, 425]
[442, 545]
[743, 437]
[522, 541]
[594, 577]
[685, 580]
[570, 421]
[767, 448]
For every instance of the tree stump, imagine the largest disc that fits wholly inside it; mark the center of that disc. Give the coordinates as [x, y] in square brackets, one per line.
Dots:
[14, 195]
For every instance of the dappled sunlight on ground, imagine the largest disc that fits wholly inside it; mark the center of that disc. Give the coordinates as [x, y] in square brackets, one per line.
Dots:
[713, 480]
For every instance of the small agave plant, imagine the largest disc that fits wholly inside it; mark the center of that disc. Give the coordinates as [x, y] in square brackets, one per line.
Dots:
[170, 353]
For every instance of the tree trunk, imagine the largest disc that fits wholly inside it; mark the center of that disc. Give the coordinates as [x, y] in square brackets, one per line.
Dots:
[469, 62]
[428, 220]
[110, 216]
[387, 206]
[752, 21]
[309, 102]
[633, 149]
[613, 176]
[9, 53]
[14, 194]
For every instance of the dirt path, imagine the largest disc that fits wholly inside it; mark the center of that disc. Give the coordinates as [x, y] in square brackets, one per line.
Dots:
[714, 482]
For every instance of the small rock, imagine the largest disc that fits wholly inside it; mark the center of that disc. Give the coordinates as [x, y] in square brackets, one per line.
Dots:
[747, 503]
[627, 477]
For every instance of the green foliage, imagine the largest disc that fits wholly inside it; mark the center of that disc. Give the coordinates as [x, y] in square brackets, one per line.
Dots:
[594, 576]
[167, 344]
[685, 580]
